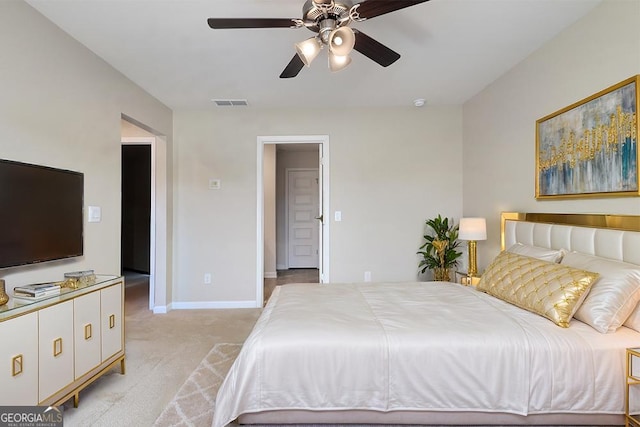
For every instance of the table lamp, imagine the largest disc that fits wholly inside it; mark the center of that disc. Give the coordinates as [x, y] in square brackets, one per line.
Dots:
[472, 229]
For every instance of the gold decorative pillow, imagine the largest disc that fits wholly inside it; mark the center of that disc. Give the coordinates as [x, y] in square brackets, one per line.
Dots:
[551, 290]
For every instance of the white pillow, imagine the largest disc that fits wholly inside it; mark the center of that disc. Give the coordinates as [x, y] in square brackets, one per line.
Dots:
[544, 254]
[613, 297]
[633, 321]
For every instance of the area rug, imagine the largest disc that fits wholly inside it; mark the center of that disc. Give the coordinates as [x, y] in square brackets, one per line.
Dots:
[194, 403]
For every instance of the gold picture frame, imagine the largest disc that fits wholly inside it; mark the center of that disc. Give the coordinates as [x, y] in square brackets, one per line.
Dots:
[590, 148]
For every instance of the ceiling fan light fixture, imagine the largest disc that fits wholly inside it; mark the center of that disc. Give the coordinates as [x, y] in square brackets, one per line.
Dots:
[341, 41]
[338, 62]
[331, 20]
[308, 50]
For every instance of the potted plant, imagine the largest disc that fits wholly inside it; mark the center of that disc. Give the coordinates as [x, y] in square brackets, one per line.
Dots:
[439, 249]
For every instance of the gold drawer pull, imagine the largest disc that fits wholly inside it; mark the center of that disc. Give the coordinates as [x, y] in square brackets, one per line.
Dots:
[57, 347]
[112, 321]
[16, 365]
[87, 331]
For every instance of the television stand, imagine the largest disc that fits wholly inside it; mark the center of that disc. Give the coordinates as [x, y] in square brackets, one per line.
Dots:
[53, 348]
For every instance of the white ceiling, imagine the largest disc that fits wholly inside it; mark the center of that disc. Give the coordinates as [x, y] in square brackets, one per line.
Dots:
[451, 49]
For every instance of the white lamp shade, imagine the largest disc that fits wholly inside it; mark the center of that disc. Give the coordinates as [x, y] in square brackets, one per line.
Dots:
[337, 62]
[472, 229]
[341, 41]
[308, 50]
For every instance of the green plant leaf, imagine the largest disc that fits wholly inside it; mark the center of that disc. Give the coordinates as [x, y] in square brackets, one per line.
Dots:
[441, 229]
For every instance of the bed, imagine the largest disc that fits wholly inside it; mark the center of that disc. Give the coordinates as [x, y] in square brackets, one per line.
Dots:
[445, 353]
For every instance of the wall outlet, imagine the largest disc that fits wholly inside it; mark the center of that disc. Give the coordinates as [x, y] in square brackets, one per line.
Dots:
[367, 276]
[207, 278]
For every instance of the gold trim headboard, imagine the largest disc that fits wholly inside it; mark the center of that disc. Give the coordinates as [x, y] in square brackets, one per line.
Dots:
[613, 222]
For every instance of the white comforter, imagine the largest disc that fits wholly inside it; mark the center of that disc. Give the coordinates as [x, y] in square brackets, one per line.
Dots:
[419, 346]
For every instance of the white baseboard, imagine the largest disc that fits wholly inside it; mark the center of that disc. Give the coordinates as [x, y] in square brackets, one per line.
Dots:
[270, 274]
[194, 305]
[161, 309]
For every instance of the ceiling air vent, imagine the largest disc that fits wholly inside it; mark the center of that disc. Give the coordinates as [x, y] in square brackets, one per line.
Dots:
[230, 102]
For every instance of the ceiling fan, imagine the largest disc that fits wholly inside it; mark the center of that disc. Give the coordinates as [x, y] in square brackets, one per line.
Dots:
[331, 19]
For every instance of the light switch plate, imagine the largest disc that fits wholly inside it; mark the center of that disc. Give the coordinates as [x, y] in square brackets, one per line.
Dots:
[338, 216]
[95, 214]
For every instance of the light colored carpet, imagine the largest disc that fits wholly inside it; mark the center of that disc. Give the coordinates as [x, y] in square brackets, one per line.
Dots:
[194, 403]
[162, 350]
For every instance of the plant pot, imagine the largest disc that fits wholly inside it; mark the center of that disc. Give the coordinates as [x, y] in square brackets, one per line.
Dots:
[442, 274]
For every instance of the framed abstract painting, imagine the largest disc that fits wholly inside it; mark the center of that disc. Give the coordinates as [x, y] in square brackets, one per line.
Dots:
[590, 148]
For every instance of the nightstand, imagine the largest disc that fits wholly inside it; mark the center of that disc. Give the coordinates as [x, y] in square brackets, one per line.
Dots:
[463, 278]
[632, 391]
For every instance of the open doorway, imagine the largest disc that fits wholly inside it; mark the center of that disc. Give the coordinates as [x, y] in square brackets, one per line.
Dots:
[292, 209]
[293, 178]
[135, 247]
[136, 210]
[158, 291]
[136, 213]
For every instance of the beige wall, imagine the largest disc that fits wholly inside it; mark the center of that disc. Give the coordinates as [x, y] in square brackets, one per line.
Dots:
[390, 169]
[499, 123]
[131, 130]
[61, 106]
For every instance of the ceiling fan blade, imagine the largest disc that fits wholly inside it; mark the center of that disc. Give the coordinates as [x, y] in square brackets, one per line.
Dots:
[372, 8]
[293, 68]
[374, 50]
[226, 23]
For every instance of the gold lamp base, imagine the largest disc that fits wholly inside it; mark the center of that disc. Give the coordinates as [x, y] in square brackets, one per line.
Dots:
[473, 265]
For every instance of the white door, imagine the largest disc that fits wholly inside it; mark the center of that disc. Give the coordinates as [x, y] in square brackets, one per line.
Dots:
[302, 200]
[320, 216]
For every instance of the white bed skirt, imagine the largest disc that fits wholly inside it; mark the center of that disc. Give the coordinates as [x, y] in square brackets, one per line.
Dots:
[428, 418]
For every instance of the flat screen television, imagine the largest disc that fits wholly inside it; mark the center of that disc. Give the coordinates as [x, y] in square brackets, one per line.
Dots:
[40, 213]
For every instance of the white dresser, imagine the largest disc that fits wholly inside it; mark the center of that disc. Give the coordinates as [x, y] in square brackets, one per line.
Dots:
[51, 349]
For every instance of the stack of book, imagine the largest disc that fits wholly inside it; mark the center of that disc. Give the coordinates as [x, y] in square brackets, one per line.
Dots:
[37, 291]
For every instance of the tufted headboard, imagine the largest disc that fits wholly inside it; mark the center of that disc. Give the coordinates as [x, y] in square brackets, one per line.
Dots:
[609, 236]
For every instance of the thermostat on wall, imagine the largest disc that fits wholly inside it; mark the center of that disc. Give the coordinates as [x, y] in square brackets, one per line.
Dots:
[214, 184]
